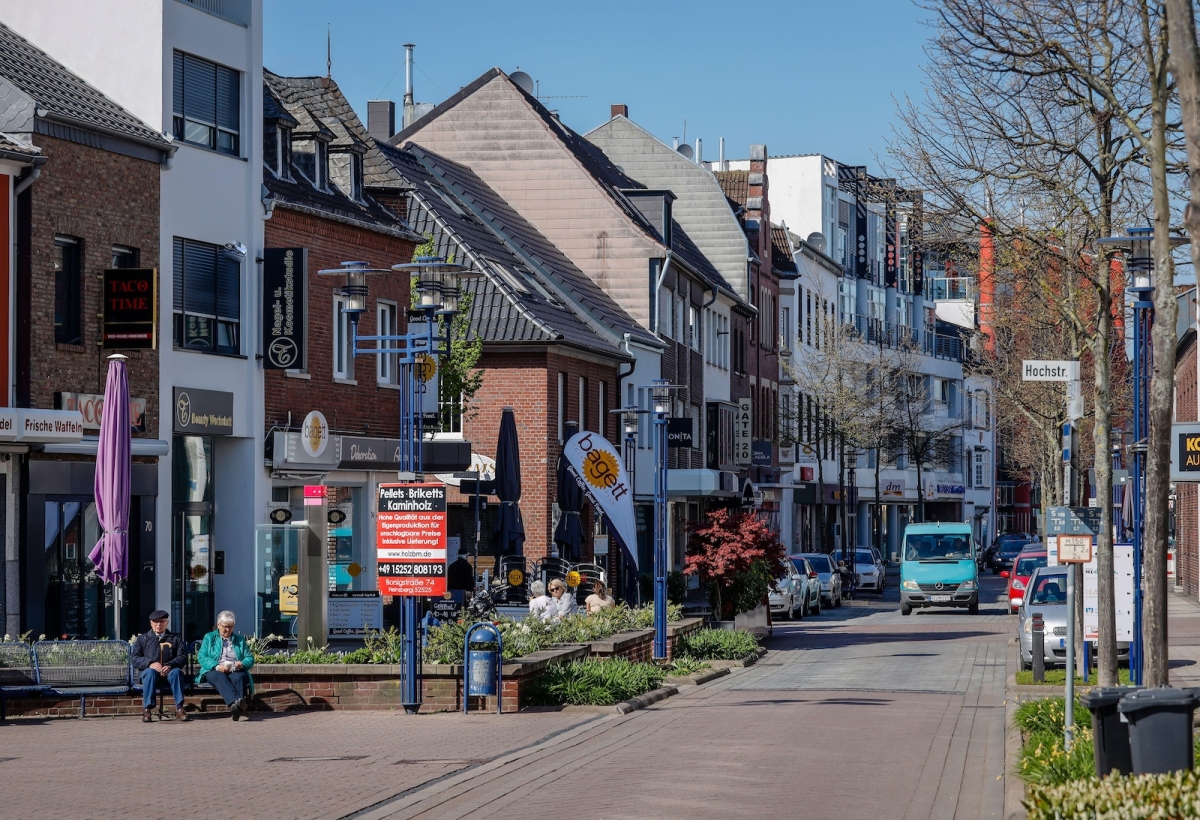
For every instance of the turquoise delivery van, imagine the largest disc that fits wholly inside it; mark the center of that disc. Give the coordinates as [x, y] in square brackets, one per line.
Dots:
[937, 567]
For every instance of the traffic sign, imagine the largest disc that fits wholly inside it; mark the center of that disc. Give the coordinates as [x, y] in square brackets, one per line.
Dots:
[1037, 370]
[410, 539]
[1074, 549]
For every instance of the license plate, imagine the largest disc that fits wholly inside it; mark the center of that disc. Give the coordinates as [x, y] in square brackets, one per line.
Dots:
[937, 599]
[1062, 643]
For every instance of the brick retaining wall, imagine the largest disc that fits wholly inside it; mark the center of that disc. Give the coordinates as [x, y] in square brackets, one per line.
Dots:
[292, 687]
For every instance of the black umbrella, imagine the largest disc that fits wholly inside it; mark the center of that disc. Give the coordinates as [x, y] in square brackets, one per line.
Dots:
[509, 532]
[569, 532]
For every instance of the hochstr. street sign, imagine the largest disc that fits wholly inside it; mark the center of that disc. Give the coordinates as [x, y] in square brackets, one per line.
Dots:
[1033, 370]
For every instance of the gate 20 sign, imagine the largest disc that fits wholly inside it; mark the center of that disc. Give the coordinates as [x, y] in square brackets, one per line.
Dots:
[410, 539]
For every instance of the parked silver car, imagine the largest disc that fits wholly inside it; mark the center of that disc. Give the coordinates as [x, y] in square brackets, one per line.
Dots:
[1046, 594]
[870, 572]
[827, 575]
[791, 593]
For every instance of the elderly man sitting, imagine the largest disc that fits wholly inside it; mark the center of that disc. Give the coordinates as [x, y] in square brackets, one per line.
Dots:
[225, 662]
[159, 653]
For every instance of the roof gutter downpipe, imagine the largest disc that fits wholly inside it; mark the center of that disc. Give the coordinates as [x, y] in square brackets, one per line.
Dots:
[658, 282]
[25, 182]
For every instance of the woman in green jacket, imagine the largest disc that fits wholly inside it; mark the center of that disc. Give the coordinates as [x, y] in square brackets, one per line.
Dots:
[225, 663]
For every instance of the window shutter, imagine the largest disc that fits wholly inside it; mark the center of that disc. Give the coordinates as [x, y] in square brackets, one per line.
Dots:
[200, 273]
[228, 104]
[177, 87]
[229, 286]
[177, 279]
[200, 85]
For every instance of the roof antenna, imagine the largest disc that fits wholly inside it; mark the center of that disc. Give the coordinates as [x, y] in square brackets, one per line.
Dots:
[328, 53]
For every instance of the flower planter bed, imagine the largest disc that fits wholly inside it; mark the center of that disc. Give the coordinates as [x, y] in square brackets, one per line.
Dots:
[296, 687]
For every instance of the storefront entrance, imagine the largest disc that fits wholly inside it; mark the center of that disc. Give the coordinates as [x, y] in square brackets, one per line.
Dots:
[192, 556]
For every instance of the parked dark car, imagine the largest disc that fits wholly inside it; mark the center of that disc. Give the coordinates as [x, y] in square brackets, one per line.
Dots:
[1006, 548]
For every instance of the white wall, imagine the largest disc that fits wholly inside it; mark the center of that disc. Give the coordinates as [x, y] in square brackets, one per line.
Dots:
[795, 189]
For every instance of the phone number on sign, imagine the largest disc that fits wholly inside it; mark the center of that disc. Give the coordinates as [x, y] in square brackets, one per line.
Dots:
[409, 569]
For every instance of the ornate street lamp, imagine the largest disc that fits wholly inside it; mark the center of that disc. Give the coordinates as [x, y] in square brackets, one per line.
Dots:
[661, 392]
[1139, 260]
[629, 423]
[437, 294]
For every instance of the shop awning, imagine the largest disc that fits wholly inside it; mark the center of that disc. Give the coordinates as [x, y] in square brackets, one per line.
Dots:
[89, 444]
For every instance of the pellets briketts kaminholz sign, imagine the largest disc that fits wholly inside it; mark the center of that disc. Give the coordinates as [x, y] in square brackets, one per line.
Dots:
[130, 308]
[410, 539]
[284, 270]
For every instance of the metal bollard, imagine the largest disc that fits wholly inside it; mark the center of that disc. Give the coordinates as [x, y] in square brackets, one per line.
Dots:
[1039, 648]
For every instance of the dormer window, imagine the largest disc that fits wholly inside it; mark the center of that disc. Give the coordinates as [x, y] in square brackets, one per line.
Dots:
[271, 148]
[346, 172]
[311, 158]
[356, 177]
[285, 152]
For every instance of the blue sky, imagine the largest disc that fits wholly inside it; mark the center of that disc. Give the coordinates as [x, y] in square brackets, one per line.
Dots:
[801, 76]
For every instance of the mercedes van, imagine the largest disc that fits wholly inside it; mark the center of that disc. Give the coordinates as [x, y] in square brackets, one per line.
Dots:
[937, 568]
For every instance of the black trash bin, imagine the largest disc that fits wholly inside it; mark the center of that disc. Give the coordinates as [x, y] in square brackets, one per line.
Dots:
[1160, 729]
[1109, 733]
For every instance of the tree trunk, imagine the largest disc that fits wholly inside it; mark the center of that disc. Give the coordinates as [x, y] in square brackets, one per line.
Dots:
[1162, 390]
[1185, 65]
[920, 494]
[1106, 644]
[877, 535]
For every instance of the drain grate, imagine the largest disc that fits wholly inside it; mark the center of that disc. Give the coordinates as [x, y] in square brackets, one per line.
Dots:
[473, 762]
[321, 759]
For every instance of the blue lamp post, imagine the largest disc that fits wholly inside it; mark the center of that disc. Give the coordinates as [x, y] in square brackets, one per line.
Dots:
[437, 296]
[1140, 262]
[661, 394]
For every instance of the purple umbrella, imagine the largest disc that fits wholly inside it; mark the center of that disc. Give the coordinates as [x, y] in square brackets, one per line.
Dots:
[113, 465]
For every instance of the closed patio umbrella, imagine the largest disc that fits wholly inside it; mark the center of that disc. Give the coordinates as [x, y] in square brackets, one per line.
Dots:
[569, 532]
[112, 484]
[509, 531]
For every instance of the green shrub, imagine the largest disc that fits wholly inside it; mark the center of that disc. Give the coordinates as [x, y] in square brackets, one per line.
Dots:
[1166, 796]
[594, 682]
[686, 666]
[1057, 677]
[444, 644]
[716, 645]
[1044, 760]
[1046, 714]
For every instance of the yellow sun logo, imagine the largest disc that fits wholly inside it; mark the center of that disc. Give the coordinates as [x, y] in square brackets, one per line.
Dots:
[425, 367]
[515, 577]
[600, 468]
[574, 579]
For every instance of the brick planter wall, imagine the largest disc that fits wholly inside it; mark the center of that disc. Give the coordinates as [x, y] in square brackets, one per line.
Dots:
[295, 687]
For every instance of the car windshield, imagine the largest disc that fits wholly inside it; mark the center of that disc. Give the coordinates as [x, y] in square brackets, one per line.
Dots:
[798, 563]
[820, 563]
[1049, 589]
[863, 557]
[1029, 563]
[934, 547]
[1012, 549]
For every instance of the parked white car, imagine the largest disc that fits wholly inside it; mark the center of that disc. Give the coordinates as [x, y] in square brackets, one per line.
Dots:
[828, 578]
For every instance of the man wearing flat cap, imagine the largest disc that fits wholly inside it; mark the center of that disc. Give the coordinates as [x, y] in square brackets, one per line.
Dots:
[160, 653]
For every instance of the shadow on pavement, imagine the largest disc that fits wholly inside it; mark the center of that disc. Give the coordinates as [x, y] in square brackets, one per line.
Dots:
[834, 640]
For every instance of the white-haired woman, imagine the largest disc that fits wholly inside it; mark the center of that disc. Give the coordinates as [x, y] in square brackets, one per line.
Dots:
[540, 603]
[564, 601]
[225, 663]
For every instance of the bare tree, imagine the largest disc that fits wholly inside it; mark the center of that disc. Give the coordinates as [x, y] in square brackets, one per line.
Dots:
[1017, 135]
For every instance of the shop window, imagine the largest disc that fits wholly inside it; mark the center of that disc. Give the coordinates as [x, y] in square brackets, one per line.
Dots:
[191, 535]
[68, 290]
[562, 405]
[206, 104]
[207, 304]
[343, 356]
[583, 403]
[123, 257]
[348, 562]
[78, 605]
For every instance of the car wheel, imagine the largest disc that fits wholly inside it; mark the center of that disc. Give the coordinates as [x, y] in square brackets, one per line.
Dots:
[816, 610]
[974, 608]
[905, 609]
[802, 610]
[791, 613]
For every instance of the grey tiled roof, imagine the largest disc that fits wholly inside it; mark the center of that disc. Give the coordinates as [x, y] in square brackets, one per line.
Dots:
[515, 301]
[324, 98]
[781, 250]
[321, 106]
[10, 145]
[64, 95]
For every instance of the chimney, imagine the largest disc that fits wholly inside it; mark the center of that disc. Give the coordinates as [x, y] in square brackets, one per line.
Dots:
[408, 85]
[722, 165]
[381, 119]
[619, 110]
[699, 158]
[757, 209]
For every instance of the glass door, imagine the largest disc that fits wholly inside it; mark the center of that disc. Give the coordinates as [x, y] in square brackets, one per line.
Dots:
[78, 603]
[192, 597]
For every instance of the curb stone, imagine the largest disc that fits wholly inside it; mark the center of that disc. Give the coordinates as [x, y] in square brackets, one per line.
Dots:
[1014, 786]
[627, 706]
[698, 678]
[749, 660]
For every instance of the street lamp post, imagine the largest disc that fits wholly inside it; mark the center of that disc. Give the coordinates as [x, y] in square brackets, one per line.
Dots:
[437, 295]
[661, 393]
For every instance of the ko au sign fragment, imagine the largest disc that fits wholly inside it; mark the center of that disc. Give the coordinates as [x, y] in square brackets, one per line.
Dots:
[410, 539]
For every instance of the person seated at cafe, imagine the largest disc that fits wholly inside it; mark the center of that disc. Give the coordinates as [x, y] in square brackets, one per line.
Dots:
[564, 601]
[599, 600]
[225, 663]
[459, 574]
[156, 654]
[540, 603]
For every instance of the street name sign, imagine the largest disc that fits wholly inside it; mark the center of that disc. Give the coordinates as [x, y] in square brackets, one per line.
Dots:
[410, 539]
[1036, 370]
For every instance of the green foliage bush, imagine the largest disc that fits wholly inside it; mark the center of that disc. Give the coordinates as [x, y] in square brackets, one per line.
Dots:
[379, 647]
[716, 645]
[1140, 797]
[444, 644]
[594, 682]
[1044, 760]
[685, 666]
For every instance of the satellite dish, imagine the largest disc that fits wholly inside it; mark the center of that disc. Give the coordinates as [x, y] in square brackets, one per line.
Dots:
[523, 81]
[685, 150]
[817, 240]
